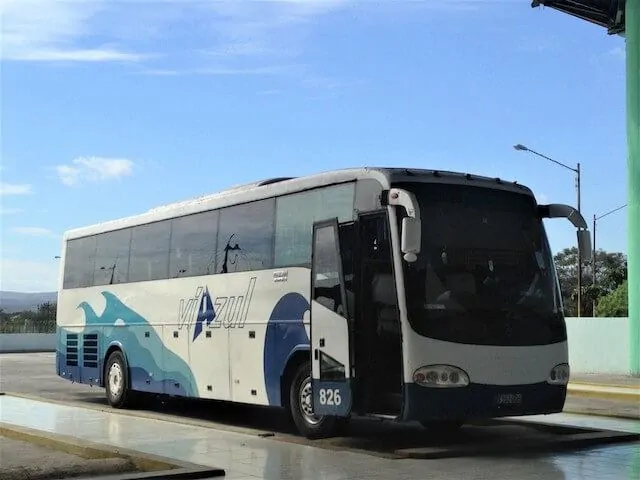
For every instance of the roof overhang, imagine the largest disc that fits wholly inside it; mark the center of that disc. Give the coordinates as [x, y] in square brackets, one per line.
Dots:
[605, 13]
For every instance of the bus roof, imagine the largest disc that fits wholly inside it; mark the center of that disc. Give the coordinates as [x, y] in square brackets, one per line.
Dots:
[277, 186]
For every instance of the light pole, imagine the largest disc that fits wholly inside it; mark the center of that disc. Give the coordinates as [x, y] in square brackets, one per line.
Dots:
[593, 258]
[576, 170]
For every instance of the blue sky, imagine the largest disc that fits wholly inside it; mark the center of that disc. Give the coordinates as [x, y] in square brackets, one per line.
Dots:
[110, 108]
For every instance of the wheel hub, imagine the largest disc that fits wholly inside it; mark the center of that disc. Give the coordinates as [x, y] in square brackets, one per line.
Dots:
[306, 404]
[115, 379]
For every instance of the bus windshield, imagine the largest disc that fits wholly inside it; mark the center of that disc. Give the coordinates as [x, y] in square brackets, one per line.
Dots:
[485, 273]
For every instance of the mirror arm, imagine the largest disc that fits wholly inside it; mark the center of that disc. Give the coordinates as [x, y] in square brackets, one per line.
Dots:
[556, 210]
[400, 197]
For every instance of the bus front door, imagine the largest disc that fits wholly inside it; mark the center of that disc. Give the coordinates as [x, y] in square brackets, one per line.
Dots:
[330, 332]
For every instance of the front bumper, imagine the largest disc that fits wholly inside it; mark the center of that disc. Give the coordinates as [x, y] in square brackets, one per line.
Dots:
[477, 401]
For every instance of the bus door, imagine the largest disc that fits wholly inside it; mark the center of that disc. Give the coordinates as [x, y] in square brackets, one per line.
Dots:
[330, 327]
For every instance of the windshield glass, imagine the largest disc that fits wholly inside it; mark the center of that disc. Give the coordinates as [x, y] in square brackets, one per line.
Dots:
[485, 273]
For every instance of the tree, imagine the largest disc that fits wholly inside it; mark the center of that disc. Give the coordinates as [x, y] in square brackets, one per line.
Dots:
[46, 312]
[615, 304]
[43, 320]
[611, 271]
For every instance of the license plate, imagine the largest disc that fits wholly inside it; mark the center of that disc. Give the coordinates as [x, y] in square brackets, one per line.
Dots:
[509, 399]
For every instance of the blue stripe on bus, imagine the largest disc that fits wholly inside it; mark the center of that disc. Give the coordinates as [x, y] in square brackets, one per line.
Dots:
[285, 334]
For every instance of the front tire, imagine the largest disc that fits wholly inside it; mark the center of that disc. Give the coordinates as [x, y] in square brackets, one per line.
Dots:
[119, 394]
[301, 408]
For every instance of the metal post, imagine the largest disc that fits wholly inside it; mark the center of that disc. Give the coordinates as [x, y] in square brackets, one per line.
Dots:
[577, 171]
[593, 265]
[579, 251]
[593, 260]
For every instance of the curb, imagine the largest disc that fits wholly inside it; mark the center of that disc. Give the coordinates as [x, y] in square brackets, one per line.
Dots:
[612, 392]
[596, 413]
[148, 465]
[607, 385]
[26, 350]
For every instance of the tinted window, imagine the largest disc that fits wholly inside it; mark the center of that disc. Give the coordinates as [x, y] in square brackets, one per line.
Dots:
[112, 257]
[149, 259]
[79, 262]
[296, 215]
[245, 237]
[368, 195]
[193, 245]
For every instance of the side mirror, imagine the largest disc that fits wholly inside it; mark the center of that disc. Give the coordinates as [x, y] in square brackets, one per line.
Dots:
[584, 244]
[410, 239]
[565, 211]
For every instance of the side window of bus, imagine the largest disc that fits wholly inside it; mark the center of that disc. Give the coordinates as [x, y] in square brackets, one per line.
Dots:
[245, 237]
[326, 264]
[112, 257]
[296, 214]
[149, 259]
[193, 245]
[79, 262]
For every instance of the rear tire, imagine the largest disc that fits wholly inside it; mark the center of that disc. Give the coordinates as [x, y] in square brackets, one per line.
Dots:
[301, 408]
[116, 380]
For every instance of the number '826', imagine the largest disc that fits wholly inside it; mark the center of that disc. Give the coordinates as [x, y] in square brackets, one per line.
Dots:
[329, 396]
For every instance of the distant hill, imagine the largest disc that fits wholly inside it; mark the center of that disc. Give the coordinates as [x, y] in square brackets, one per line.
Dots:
[12, 302]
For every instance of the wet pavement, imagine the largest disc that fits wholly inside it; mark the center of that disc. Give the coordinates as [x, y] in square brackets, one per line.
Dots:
[250, 444]
[249, 456]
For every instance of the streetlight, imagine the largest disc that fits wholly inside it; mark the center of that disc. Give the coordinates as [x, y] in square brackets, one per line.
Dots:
[593, 259]
[576, 170]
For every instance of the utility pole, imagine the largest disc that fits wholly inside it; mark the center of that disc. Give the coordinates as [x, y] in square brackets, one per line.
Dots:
[578, 173]
[593, 258]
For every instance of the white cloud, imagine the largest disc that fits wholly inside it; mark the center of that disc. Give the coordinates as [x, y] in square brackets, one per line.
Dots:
[235, 37]
[94, 170]
[542, 198]
[10, 211]
[231, 37]
[618, 52]
[15, 189]
[33, 231]
[50, 30]
[29, 276]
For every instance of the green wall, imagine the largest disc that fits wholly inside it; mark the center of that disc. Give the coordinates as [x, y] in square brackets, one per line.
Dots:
[632, 34]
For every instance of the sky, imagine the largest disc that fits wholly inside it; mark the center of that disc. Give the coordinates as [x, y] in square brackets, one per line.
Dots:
[109, 108]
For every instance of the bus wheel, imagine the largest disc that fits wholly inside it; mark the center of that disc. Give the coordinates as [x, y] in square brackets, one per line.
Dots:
[300, 402]
[442, 426]
[116, 381]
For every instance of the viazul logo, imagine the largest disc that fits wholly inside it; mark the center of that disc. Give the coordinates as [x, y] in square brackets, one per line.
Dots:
[203, 310]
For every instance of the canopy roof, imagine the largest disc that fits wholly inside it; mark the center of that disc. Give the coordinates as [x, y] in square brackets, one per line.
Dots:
[606, 13]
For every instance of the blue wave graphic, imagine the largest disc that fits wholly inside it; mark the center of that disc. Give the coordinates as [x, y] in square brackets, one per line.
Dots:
[156, 369]
[153, 367]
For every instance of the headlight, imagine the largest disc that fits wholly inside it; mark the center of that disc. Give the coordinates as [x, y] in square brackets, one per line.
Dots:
[440, 376]
[559, 375]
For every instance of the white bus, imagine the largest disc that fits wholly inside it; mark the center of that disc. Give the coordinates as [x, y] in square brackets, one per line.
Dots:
[410, 294]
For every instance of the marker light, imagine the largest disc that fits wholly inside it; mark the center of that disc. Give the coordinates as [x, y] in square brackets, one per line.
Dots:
[441, 376]
[559, 375]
